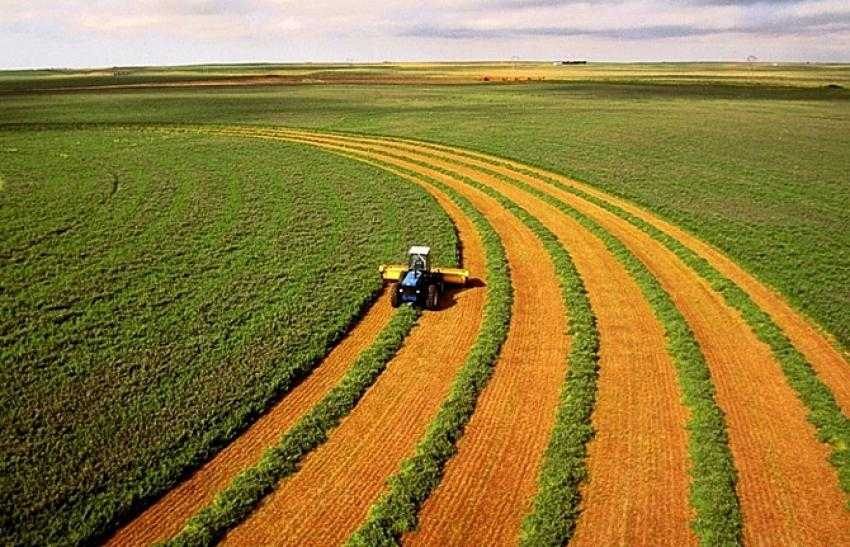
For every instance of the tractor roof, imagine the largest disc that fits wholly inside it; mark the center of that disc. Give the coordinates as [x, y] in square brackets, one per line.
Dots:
[419, 250]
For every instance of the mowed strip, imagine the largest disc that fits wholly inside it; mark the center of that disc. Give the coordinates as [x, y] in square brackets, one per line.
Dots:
[489, 484]
[787, 488]
[828, 362]
[328, 498]
[167, 515]
[638, 417]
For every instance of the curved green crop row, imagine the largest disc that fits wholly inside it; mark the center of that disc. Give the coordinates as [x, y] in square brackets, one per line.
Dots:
[824, 413]
[713, 475]
[238, 499]
[395, 512]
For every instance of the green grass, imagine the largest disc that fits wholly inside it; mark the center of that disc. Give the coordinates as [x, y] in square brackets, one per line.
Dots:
[396, 511]
[758, 171]
[89, 277]
[236, 501]
[156, 296]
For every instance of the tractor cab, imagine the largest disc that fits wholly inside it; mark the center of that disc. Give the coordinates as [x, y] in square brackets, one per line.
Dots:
[418, 258]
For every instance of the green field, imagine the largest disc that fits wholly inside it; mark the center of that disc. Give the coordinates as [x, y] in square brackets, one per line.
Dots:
[138, 266]
[740, 74]
[758, 170]
[158, 291]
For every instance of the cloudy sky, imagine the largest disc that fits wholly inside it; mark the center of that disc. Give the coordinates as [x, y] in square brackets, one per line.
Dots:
[79, 33]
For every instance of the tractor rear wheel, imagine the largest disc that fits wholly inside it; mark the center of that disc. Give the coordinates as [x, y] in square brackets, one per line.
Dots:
[433, 297]
[395, 296]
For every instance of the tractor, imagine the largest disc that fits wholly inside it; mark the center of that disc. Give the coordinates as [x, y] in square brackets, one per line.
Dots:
[417, 283]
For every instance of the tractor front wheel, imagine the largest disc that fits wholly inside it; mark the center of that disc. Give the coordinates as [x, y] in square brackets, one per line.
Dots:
[395, 296]
[433, 297]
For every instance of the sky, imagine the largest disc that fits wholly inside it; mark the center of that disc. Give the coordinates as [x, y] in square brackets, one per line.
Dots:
[103, 33]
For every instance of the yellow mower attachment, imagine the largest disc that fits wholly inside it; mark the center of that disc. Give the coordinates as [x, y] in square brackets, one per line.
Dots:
[452, 276]
[417, 282]
[391, 272]
[449, 276]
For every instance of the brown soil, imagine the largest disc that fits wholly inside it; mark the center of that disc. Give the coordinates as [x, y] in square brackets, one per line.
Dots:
[488, 486]
[490, 482]
[329, 497]
[831, 366]
[788, 490]
[167, 516]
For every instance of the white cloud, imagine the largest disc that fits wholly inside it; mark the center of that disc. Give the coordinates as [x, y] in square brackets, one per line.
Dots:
[38, 32]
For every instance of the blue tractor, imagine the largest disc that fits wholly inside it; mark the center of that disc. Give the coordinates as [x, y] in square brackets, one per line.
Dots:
[417, 283]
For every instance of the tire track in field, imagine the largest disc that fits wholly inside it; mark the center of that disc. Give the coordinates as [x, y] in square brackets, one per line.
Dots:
[638, 417]
[818, 349]
[169, 513]
[502, 445]
[331, 493]
[788, 490]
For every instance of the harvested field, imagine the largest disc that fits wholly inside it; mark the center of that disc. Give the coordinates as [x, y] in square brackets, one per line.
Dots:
[490, 501]
[326, 500]
[708, 410]
[715, 323]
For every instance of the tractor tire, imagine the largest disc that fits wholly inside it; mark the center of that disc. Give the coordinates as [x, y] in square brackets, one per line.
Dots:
[433, 300]
[395, 297]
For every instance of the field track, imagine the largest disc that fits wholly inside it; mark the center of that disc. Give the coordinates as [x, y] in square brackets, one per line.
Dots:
[495, 472]
[791, 492]
[818, 349]
[328, 498]
[628, 355]
[167, 516]
[488, 486]
[637, 489]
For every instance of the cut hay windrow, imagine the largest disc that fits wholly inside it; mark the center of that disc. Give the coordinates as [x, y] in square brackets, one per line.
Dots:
[824, 413]
[395, 512]
[819, 350]
[384, 428]
[234, 503]
[713, 495]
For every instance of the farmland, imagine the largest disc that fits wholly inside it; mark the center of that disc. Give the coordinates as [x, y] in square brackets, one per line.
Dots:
[123, 307]
[190, 319]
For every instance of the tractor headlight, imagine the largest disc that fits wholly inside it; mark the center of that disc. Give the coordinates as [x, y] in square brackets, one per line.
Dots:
[418, 291]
